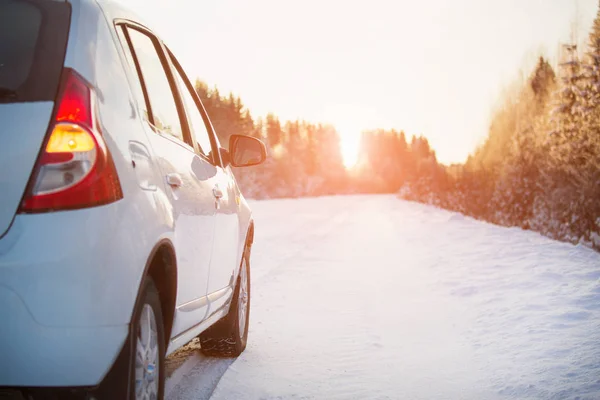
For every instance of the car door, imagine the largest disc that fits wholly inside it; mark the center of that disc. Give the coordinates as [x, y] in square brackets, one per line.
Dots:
[225, 244]
[187, 176]
[225, 260]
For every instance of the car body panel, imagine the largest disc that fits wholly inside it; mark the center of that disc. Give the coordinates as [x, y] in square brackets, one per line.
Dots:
[225, 260]
[194, 224]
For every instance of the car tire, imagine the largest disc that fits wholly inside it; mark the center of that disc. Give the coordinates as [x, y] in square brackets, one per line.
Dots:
[228, 337]
[148, 346]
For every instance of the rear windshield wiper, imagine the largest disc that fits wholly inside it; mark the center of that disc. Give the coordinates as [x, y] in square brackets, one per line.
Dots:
[8, 94]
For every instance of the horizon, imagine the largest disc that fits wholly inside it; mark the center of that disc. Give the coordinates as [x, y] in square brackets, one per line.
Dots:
[359, 79]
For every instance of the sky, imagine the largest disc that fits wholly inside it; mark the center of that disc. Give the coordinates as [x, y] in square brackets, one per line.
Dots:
[429, 67]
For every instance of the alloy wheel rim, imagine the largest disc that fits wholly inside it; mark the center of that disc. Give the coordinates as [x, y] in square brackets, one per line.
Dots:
[243, 300]
[146, 356]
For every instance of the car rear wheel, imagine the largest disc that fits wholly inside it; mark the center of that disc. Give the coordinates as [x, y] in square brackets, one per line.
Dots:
[148, 345]
[228, 337]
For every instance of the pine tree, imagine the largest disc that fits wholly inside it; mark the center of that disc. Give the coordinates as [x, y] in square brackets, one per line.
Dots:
[587, 161]
[592, 67]
[312, 149]
[589, 138]
[542, 80]
[273, 130]
[566, 114]
[202, 90]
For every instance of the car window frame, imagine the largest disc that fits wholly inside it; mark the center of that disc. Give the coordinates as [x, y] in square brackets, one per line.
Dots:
[188, 139]
[178, 69]
[133, 78]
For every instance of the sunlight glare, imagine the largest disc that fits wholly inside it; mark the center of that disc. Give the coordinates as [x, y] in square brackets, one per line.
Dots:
[349, 146]
[350, 120]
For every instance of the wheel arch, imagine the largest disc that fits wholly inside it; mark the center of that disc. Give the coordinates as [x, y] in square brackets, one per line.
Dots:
[161, 266]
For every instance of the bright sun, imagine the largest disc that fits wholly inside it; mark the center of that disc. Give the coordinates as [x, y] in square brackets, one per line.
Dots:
[349, 146]
[350, 121]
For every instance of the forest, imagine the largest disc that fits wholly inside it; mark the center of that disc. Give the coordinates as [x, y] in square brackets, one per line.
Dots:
[538, 169]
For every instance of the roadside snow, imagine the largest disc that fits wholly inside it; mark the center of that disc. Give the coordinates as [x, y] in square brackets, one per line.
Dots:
[371, 297]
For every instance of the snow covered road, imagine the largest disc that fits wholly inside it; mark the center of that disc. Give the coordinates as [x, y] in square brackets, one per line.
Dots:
[371, 297]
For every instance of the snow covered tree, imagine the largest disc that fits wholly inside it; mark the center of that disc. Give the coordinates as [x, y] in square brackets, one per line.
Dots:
[521, 170]
[591, 68]
[588, 144]
[576, 145]
[569, 102]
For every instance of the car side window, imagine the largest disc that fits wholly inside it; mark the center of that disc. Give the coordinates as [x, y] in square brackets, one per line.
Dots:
[195, 120]
[163, 113]
[138, 92]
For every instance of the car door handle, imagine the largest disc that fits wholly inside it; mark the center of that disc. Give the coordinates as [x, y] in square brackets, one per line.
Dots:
[174, 180]
[218, 193]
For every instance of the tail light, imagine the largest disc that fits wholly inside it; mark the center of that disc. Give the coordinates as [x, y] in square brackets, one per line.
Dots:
[74, 169]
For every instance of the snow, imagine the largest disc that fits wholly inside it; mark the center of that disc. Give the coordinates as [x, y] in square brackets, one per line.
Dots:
[372, 297]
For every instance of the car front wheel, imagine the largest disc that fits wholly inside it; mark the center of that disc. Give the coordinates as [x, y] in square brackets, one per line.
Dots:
[228, 337]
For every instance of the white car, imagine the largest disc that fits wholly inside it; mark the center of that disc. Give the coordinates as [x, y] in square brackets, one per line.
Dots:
[123, 233]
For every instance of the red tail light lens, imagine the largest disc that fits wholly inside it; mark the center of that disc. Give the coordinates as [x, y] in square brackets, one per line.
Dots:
[74, 169]
[75, 103]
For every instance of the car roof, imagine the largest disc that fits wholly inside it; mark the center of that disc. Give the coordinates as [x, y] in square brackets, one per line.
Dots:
[114, 9]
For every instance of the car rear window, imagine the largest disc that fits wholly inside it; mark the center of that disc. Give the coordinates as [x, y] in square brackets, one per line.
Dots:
[33, 39]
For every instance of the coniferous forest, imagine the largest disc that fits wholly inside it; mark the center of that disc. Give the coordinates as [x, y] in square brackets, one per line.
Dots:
[538, 169]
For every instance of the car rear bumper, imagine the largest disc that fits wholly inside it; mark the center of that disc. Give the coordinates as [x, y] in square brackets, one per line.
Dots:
[68, 286]
[74, 269]
[34, 355]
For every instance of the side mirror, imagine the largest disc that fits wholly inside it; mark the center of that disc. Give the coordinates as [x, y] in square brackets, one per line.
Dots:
[245, 151]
